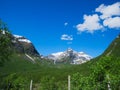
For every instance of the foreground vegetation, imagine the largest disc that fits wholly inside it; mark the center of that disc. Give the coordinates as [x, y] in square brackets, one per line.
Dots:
[104, 75]
[5, 42]
[17, 74]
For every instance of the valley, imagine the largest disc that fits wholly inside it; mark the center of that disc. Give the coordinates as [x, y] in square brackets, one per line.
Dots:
[26, 65]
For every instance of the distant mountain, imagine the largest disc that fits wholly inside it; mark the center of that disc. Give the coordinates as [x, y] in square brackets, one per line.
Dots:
[69, 56]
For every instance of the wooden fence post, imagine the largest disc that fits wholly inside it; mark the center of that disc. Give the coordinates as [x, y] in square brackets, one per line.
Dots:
[31, 85]
[109, 88]
[68, 82]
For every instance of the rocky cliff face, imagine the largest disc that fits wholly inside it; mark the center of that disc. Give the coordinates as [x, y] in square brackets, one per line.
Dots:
[23, 45]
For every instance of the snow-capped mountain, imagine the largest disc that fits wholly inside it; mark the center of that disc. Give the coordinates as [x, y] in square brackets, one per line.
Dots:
[70, 56]
[23, 45]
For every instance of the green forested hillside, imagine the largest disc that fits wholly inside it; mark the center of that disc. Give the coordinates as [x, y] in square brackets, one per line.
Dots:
[105, 71]
[114, 48]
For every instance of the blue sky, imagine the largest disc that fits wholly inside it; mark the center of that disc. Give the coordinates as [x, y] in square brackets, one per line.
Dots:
[55, 25]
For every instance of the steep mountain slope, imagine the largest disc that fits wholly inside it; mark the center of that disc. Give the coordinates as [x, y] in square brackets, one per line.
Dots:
[23, 45]
[18, 45]
[69, 56]
[114, 48]
[113, 51]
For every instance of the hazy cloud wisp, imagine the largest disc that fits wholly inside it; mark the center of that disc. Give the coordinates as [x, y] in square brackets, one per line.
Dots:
[66, 37]
[65, 24]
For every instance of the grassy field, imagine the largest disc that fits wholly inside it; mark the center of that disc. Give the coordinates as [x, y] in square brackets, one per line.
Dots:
[20, 67]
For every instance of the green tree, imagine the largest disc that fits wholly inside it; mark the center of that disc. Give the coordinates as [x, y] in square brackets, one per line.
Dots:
[14, 81]
[104, 76]
[105, 72]
[5, 42]
[48, 83]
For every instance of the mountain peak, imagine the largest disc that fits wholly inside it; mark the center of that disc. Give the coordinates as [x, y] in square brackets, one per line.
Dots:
[70, 56]
[69, 49]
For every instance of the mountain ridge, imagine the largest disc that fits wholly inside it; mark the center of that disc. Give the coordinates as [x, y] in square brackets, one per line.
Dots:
[69, 56]
[23, 45]
[113, 49]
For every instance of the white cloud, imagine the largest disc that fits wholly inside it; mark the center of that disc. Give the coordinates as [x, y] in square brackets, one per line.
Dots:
[66, 37]
[112, 22]
[65, 24]
[109, 17]
[90, 24]
[109, 10]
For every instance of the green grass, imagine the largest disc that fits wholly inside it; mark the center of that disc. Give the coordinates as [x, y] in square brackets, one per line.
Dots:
[19, 70]
[24, 68]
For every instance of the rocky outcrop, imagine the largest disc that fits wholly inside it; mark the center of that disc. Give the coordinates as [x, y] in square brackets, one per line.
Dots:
[22, 45]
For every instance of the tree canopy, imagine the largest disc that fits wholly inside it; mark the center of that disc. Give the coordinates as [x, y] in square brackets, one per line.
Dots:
[5, 42]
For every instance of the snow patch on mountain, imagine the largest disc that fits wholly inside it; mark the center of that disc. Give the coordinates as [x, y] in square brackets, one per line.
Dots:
[24, 40]
[17, 36]
[57, 54]
[21, 39]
